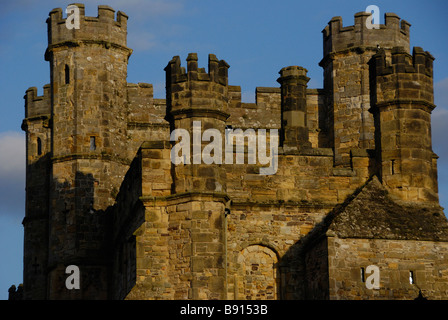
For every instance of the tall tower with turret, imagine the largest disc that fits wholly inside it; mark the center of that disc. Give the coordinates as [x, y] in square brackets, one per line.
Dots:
[402, 102]
[77, 132]
[37, 125]
[347, 51]
[196, 101]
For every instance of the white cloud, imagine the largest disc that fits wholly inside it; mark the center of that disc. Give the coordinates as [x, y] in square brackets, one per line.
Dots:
[12, 173]
[12, 153]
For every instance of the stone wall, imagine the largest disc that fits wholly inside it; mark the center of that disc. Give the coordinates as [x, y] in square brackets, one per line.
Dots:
[317, 272]
[145, 117]
[267, 233]
[395, 259]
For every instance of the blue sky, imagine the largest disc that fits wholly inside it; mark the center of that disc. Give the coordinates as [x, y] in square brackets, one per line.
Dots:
[256, 38]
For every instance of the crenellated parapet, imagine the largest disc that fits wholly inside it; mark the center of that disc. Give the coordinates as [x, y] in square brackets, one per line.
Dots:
[404, 77]
[37, 123]
[194, 89]
[217, 70]
[338, 38]
[37, 105]
[105, 29]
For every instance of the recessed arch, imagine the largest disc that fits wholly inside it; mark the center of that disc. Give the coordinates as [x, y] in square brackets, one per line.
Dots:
[258, 274]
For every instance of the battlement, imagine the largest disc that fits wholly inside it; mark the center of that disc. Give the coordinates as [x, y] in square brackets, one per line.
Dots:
[217, 70]
[402, 62]
[404, 76]
[394, 32]
[102, 29]
[37, 105]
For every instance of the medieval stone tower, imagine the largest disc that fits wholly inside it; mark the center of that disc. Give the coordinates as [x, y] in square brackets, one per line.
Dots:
[354, 185]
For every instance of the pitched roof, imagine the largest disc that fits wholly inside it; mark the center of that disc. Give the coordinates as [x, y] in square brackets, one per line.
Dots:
[370, 213]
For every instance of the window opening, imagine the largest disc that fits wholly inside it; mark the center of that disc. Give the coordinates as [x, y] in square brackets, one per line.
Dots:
[92, 144]
[39, 146]
[67, 74]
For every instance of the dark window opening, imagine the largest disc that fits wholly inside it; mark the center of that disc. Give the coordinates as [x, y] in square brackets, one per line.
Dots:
[392, 165]
[39, 147]
[363, 275]
[67, 74]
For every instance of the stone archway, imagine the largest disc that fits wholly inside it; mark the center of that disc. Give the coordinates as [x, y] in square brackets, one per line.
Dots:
[258, 274]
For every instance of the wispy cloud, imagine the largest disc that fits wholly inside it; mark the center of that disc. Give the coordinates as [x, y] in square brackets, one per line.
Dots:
[144, 9]
[139, 8]
[151, 22]
[440, 119]
[441, 93]
[440, 143]
[142, 41]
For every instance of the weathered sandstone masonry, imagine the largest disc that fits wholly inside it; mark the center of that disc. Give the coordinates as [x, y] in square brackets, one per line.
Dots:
[356, 183]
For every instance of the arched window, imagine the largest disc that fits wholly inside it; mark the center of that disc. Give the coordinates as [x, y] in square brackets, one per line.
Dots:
[39, 146]
[67, 74]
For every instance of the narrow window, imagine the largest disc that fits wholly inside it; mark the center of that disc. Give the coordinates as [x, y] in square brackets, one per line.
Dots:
[39, 147]
[92, 144]
[67, 74]
[392, 166]
[411, 277]
[363, 275]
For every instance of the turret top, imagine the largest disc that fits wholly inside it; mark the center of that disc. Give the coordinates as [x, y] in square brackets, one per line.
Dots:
[104, 27]
[217, 70]
[391, 34]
